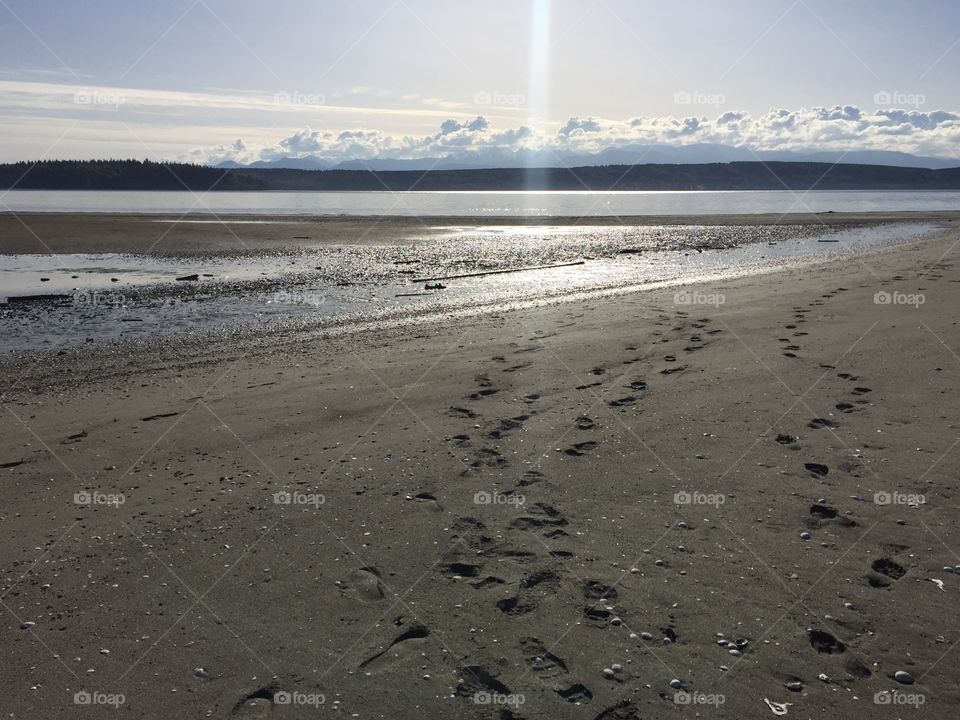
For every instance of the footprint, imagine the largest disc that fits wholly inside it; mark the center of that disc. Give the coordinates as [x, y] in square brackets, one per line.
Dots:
[540, 515]
[819, 423]
[576, 693]
[597, 590]
[629, 400]
[257, 704]
[460, 412]
[588, 386]
[519, 366]
[598, 617]
[428, 501]
[475, 679]
[408, 643]
[458, 569]
[365, 584]
[489, 458]
[584, 423]
[885, 571]
[159, 416]
[486, 392]
[507, 425]
[638, 385]
[861, 390]
[528, 596]
[817, 469]
[624, 710]
[786, 439]
[531, 477]
[540, 661]
[845, 407]
[822, 512]
[824, 642]
[580, 449]
[671, 371]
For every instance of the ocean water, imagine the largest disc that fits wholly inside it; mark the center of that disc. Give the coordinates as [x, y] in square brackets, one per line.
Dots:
[465, 204]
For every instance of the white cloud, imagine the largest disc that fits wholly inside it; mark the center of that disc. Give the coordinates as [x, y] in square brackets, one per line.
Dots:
[817, 129]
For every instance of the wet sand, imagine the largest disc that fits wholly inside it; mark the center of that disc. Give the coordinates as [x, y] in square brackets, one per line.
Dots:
[481, 518]
[95, 232]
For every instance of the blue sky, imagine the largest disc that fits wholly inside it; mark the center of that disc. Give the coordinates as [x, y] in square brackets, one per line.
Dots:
[379, 78]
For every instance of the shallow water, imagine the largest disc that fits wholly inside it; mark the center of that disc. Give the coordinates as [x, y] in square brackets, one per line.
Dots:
[617, 203]
[346, 284]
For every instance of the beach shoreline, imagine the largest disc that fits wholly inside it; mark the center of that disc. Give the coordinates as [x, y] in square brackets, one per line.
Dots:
[115, 232]
[470, 504]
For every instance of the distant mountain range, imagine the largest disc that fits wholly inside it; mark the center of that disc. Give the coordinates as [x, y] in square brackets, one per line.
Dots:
[771, 175]
[629, 155]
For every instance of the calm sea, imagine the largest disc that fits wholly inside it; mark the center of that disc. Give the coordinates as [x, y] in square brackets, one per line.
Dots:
[461, 204]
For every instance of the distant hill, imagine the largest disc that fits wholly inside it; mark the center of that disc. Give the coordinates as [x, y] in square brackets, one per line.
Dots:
[695, 154]
[137, 175]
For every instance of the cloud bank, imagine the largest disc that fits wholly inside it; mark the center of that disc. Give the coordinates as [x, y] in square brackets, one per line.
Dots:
[819, 129]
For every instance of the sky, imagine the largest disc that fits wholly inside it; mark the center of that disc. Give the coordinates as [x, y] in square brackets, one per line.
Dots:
[246, 80]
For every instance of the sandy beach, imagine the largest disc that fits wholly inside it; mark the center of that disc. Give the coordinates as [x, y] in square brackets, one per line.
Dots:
[731, 503]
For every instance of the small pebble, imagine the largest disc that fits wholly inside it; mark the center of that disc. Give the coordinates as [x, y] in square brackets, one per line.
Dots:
[903, 677]
[201, 673]
[615, 621]
[804, 536]
[682, 525]
[607, 672]
[617, 667]
[795, 686]
[27, 625]
[676, 684]
[734, 652]
[646, 636]
[634, 636]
